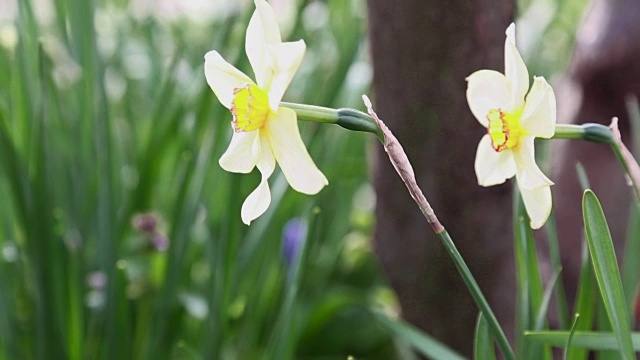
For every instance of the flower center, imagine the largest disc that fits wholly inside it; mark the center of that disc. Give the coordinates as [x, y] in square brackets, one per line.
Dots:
[250, 108]
[504, 129]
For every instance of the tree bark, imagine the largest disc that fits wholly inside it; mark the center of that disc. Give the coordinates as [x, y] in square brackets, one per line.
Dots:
[422, 52]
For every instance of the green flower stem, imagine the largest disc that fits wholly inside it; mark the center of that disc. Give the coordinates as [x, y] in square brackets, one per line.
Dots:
[591, 132]
[566, 131]
[622, 159]
[602, 134]
[358, 121]
[350, 119]
[599, 133]
[403, 167]
[313, 113]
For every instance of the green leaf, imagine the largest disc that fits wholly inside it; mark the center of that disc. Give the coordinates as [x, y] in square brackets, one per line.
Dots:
[483, 348]
[630, 266]
[597, 341]
[572, 332]
[585, 304]
[529, 301]
[421, 342]
[542, 310]
[523, 298]
[606, 270]
[582, 177]
[554, 257]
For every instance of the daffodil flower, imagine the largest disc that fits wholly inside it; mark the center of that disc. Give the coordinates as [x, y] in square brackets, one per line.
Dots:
[512, 122]
[264, 132]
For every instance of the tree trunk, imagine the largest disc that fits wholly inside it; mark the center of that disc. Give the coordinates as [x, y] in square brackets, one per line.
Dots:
[422, 52]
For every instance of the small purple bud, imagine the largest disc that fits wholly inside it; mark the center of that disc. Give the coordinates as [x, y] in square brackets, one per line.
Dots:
[160, 242]
[293, 236]
[97, 280]
[145, 223]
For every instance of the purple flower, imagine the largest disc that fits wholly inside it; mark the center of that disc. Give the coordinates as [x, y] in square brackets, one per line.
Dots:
[145, 223]
[160, 242]
[97, 280]
[293, 236]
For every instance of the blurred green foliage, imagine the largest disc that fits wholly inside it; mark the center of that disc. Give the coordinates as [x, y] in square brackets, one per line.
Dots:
[121, 236]
[547, 33]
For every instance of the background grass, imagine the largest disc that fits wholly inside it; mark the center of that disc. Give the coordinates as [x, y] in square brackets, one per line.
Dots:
[105, 115]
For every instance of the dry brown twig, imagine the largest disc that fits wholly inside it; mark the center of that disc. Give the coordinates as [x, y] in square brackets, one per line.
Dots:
[403, 167]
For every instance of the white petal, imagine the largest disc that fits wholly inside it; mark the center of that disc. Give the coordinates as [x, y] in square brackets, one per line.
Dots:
[539, 114]
[223, 77]
[266, 162]
[514, 69]
[487, 90]
[262, 31]
[492, 167]
[240, 156]
[258, 201]
[286, 59]
[292, 156]
[537, 202]
[528, 174]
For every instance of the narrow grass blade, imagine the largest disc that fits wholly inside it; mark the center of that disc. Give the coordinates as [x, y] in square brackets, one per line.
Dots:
[604, 325]
[483, 348]
[596, 341]
[523, 315]
[554, 258]
[582, 177]
[542, 310]
[630, 268]
[529, 299]
[421, 342]
[572, 332]
[606, 271]
[585, 304]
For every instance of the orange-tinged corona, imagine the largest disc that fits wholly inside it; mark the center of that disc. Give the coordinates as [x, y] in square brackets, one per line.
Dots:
[504, 129]
[250, 108]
